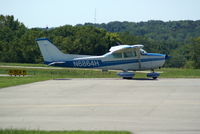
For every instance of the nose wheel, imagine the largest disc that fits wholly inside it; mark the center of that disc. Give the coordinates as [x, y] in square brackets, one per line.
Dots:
[153, 75]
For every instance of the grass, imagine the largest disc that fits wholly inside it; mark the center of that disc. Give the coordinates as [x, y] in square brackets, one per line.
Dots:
[35, 75]
[174, 73]
[180, 73]
[11, 131]
[51, 73]
[23, 64]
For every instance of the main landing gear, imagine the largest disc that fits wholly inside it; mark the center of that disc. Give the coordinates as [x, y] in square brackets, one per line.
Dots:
[130, 75]
[126, 75]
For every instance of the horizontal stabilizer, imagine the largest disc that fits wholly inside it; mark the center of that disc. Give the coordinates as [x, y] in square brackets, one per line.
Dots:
[55, 63]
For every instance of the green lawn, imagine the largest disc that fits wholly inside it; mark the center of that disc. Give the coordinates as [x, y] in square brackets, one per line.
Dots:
[60, 132]
[23, 64]
[180, 73]
[35, 75]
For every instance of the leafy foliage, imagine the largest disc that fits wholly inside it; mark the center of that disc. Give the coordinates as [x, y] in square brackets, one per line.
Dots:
[172, 31]
[195, 52]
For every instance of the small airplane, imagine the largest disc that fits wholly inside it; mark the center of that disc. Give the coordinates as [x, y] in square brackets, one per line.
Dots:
[122, 57]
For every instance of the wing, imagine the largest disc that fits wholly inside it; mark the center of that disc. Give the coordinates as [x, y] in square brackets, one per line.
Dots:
[55, 63]
[122, 48]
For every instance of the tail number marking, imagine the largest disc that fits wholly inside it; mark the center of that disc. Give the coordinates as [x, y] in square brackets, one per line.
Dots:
[86, 63]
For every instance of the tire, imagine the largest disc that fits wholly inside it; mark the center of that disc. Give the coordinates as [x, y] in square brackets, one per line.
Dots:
[154, 78]
[128, 78]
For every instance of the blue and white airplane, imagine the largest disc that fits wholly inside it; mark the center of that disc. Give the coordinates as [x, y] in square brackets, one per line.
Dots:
[122, 57]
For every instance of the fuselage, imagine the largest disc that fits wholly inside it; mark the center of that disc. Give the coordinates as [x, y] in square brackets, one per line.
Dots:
[145, 61]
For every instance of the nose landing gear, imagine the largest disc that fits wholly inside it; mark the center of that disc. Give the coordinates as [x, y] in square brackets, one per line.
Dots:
[153, 75]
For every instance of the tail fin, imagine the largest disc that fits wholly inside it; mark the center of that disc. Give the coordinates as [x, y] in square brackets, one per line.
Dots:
[49, 51]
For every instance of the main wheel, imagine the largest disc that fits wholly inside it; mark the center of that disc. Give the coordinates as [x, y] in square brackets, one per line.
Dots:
[154, 78]
[127, 77]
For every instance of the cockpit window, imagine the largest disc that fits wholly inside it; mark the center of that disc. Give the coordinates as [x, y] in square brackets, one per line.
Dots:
[142, 51]
[125, 54]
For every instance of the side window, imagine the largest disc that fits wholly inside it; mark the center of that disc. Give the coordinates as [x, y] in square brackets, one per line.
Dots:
[129, 54]
[117, 55]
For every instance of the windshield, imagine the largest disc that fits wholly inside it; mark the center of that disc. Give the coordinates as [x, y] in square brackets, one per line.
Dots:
[142, 51]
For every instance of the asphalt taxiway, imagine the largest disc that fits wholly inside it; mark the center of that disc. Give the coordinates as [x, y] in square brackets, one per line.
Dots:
[163, 106]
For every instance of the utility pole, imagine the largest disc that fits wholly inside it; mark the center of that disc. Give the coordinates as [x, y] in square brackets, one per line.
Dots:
[95, 16]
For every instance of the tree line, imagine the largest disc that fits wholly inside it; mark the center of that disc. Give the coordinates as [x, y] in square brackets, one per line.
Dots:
[182, 40]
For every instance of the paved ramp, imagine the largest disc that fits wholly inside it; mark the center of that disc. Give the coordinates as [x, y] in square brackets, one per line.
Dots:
[164, 106]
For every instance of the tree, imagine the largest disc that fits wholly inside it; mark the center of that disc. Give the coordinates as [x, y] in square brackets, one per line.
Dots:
[195, 52]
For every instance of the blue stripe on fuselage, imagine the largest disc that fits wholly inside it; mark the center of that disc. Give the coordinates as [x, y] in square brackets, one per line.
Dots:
[99, 63]
[153, 54]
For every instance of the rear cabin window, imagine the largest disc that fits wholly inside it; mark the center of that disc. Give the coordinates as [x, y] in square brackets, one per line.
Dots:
[117, 55]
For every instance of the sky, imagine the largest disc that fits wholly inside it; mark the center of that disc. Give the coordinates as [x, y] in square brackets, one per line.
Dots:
[54, 13]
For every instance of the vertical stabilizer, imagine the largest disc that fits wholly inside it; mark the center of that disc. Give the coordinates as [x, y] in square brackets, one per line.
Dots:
[49, 51]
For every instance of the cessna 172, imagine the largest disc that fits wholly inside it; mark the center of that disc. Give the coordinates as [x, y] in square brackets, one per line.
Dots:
[122, 57]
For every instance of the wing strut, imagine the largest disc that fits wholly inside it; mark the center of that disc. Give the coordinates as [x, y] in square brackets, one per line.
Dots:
[139, 57]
